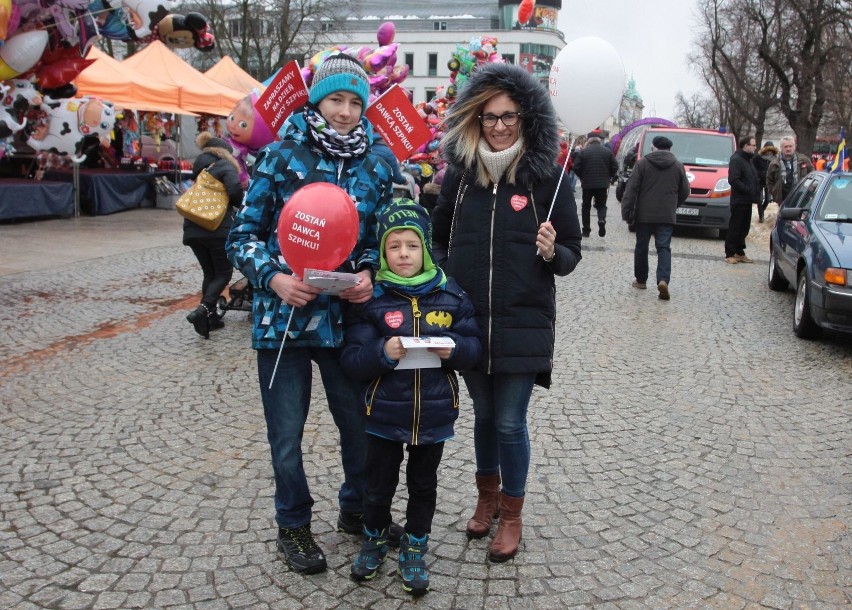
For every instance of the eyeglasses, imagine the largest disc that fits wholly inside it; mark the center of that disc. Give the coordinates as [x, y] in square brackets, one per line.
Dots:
[508, 119]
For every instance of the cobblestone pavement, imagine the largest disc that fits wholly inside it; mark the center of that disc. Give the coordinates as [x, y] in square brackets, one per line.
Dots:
[691, 453]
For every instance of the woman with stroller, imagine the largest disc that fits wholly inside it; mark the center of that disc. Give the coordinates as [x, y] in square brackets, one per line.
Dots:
[209, 246]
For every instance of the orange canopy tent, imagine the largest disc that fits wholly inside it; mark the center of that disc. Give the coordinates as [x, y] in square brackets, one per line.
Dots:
[196, 92]
[109, 80]
[228, 73]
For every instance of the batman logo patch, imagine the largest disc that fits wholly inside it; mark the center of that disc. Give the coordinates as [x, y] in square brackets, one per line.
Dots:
[439, 318]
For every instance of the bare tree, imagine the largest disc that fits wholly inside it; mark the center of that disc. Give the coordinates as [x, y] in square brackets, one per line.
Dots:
[699, 111]
[262, 35]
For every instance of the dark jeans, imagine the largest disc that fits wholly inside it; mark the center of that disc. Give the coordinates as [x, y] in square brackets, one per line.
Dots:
[738, 229]
[599, 195]
[764, 202]
[662, 242]
[421, 478]
[217, 269]
[285, 408]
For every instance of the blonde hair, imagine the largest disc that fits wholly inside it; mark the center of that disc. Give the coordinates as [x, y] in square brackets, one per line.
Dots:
[466, 132]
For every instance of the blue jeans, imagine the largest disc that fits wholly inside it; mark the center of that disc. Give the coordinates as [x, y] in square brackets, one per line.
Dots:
[662, 242]
[500, 435]
[285, 408]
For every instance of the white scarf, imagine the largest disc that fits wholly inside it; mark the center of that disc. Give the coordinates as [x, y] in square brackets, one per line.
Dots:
[497, 162]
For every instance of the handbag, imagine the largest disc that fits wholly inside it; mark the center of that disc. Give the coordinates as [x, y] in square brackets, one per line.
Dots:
[205, 202]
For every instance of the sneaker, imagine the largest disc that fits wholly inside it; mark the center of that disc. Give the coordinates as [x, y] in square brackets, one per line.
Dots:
[742, 258]
[370, 558]
[353, 523]
[412, 564]
[602, 229]
[638, 284]
[301, 550]
[587, 232]
[731, 260]
[663, 289]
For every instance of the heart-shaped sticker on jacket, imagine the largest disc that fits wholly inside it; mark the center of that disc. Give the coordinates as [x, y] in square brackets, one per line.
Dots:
[393, 319]
[519, 202]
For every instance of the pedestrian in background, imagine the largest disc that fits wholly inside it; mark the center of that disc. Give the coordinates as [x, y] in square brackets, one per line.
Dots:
[786, 170]
[745, 191]
[412, 408]
[491, 224]
[597, 169]
[761, 162]
[209, 246]
[657, 186]
[327, 141]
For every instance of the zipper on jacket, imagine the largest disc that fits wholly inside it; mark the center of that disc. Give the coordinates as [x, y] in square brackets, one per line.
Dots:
[491, 275]
[454, 390]
[415, 423]
[371, 394]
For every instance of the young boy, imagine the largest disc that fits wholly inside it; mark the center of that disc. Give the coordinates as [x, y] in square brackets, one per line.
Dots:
[414, 407]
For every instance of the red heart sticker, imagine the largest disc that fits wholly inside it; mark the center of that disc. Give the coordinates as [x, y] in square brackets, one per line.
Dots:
[393, 319]
[519, 202]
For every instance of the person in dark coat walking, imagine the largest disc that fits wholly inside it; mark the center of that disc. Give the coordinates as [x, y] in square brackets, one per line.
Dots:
[492, 224]
[745, 191]
[597, 168]
[413, 407]
[657, 186]
[209, 246]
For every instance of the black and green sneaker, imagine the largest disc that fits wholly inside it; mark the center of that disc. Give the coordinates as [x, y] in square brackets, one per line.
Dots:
[353, 523]
[412, 564]
[301, 550]
[374, 547]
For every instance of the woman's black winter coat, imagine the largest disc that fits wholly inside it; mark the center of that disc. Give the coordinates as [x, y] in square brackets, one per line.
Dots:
[487, 236]
[225, 169]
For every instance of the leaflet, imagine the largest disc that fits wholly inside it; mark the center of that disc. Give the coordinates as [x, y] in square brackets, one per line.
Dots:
[417, 351]
[331, 282]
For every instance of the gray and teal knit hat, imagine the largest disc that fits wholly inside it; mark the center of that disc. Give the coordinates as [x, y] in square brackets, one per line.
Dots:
[339, 73]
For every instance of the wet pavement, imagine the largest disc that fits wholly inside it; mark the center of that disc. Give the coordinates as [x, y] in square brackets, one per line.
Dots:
[691, 453]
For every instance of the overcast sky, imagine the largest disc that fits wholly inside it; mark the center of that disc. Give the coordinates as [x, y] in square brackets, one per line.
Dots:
[653, 38]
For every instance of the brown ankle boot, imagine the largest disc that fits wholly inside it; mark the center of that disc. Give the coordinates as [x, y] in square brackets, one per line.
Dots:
[486, 506]
[508, 536]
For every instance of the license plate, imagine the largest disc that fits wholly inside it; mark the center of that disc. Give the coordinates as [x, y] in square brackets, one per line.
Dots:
[688, 211]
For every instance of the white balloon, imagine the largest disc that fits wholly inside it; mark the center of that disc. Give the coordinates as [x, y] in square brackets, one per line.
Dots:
[586, 83]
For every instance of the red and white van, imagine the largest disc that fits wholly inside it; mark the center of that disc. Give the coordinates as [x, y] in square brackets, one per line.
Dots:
[705, 155]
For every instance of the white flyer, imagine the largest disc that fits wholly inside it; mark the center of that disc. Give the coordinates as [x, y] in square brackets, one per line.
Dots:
[417, 351]
[331, 282]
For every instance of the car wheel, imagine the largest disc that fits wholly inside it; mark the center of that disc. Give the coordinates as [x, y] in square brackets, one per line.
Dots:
[776, 280]
[221, 306]
[803, 324]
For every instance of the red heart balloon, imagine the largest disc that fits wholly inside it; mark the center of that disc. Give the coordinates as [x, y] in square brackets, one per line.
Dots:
[317, 228]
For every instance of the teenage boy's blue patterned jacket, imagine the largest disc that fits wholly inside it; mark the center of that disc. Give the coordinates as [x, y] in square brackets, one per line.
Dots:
[280, 170]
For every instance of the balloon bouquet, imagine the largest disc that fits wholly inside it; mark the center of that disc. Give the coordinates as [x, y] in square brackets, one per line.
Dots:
[426, 161]
[44, 43]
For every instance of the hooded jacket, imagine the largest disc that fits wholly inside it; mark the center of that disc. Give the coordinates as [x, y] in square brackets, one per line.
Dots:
[657, 186]
[487, 234]
[281, 169]
[414, 406]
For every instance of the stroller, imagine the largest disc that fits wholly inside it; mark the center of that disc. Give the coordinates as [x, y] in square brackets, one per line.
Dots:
[240, 295]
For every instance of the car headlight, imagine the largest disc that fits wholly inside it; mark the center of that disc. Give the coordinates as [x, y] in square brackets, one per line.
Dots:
[836, 276]
[722, 188]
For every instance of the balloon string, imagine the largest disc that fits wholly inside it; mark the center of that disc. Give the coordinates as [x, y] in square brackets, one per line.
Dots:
[281, 349]
[561, 175]
[558, 184]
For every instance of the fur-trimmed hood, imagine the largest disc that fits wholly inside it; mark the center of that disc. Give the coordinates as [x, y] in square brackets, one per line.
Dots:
[538, 125]
[222, 153]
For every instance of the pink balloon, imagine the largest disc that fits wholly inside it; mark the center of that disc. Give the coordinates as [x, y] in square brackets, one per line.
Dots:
[385, 33]
[318, 228]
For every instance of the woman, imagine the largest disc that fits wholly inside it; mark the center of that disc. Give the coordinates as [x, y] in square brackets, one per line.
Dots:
[209, 246]
[491, 222]
[327, 141]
